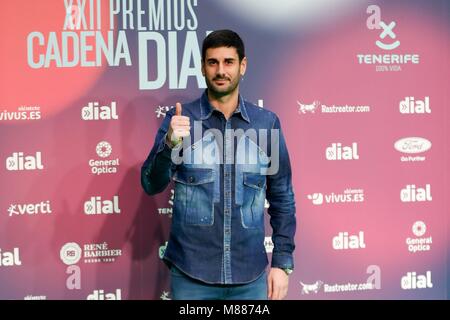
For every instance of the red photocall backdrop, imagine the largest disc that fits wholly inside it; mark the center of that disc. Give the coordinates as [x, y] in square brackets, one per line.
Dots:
[360, 89]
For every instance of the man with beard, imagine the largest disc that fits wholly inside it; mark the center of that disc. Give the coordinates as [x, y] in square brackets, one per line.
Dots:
[238, 159]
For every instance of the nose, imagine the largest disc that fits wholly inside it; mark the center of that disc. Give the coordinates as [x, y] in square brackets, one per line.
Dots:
[221, 70]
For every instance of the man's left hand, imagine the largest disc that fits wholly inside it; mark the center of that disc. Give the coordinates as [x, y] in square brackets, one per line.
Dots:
[277, 284]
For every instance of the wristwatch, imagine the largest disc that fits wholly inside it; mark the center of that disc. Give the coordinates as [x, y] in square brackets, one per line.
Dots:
[288, 270]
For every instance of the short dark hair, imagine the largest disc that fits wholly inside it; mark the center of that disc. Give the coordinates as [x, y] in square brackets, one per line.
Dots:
[223, 38]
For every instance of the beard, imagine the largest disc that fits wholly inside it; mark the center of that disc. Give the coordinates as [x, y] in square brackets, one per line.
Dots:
[224, 89]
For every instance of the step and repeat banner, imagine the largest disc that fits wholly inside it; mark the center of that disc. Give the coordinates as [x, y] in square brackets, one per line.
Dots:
[361, 91]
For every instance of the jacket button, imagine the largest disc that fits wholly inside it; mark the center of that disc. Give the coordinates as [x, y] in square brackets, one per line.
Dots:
[259, 184]
[191, 179]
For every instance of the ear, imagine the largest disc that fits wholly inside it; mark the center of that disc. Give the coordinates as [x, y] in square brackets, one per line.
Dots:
[203, 68]
[243, 66]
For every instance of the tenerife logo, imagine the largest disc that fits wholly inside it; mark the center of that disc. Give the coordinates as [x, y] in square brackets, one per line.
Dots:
[70, 253]
[410, 146]
[419, 243]
[387, 41]
[349, 195]
[18, 162]
[387, 30]
[411, 193]
[95, 112]
[98, 167]
[168, 211]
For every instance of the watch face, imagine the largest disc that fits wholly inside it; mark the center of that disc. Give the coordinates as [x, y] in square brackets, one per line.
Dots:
[288, 271]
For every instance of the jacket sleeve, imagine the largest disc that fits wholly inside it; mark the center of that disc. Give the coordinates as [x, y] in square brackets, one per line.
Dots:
[282, 203]
[158, 167]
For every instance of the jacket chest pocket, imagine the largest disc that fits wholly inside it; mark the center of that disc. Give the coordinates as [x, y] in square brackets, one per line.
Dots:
[252, 195]
[194, 195]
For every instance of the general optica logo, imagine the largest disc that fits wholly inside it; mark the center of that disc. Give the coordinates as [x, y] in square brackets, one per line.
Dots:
[419, 243]
[104, 166]
[103, 149]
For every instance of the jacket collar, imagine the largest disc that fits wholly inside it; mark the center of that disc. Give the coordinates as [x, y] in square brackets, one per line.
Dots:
[206, 109]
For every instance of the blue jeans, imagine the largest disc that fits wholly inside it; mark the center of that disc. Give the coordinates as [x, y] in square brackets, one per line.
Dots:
[184, 287]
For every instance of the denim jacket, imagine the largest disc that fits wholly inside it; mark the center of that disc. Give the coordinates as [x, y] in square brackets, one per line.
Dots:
[222, 178]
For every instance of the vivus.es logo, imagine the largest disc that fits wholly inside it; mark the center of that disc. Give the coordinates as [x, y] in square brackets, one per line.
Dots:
[387, 41]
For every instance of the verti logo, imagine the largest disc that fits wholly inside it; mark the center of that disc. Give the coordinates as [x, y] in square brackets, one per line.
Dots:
[386, 29]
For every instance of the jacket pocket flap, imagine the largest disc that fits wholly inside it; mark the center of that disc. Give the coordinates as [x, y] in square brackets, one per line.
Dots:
[254, 180]
[194, 176]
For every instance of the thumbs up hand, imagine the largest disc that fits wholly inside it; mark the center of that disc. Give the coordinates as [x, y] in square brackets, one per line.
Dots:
[179, 127]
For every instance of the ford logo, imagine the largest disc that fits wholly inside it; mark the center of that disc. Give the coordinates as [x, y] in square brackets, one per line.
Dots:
[412, 145]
